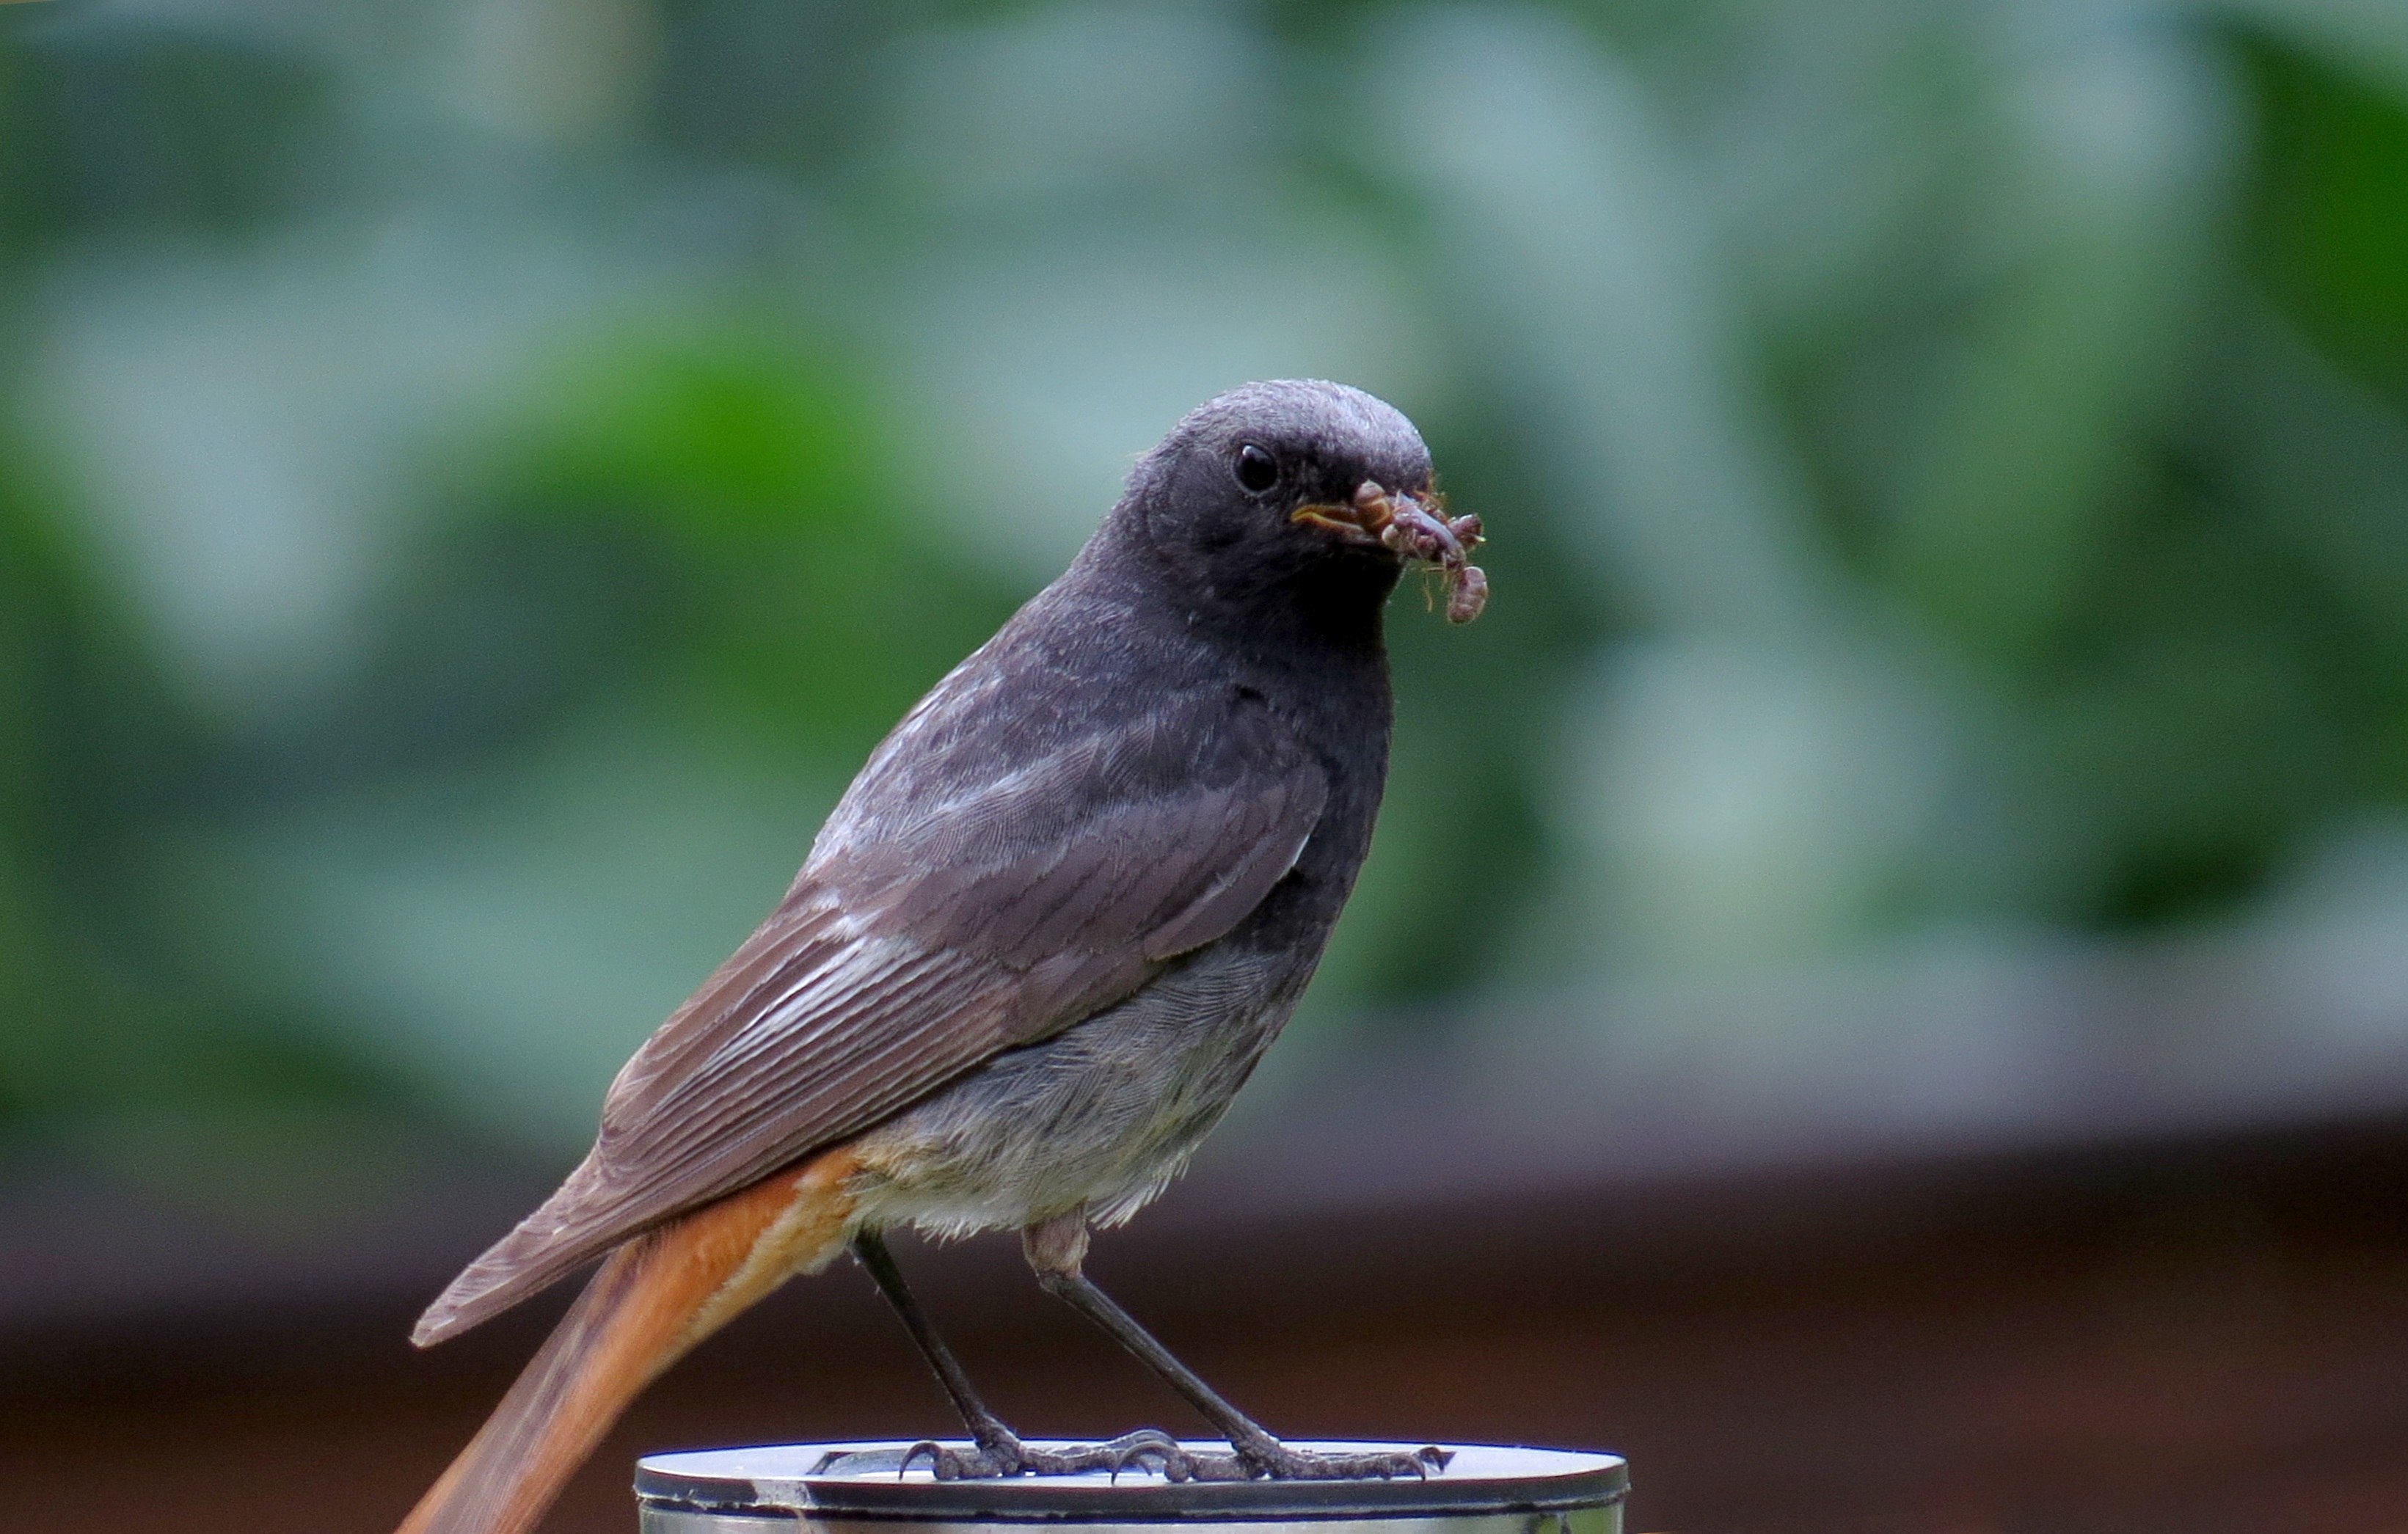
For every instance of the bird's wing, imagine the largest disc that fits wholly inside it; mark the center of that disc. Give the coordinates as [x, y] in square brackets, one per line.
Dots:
[954, 907]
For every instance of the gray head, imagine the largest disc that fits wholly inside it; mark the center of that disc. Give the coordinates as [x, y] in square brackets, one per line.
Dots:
[1282, 491]
[1321, 441]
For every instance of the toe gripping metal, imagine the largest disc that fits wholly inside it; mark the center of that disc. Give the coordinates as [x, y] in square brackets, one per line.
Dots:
[1150, 1449]
[996, 1451]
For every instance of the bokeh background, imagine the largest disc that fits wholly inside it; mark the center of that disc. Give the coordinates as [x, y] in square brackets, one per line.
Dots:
[1882, 985]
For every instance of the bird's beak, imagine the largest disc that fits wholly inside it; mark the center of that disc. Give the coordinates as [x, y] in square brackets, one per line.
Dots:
[1415, 527]
[1364, 519]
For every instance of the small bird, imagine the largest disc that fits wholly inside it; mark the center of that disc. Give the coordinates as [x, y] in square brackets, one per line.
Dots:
[1035, 951]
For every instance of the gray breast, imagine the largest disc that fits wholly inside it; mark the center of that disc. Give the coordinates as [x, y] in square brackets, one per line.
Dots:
[1104, 1113]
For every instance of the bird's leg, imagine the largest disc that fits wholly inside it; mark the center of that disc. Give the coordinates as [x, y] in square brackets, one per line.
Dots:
[999, 1450]
[995, 1442]
[1056, 1249]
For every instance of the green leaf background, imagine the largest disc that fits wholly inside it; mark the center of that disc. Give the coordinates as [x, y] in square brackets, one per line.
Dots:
[476, 478]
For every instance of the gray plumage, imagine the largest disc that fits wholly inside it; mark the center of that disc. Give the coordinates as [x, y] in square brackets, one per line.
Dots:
[1069, 899]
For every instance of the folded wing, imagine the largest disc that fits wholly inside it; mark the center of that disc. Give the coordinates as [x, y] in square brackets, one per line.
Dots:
[978, 888]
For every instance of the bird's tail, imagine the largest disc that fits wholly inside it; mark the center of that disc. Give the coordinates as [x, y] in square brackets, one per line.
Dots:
[652, 1298]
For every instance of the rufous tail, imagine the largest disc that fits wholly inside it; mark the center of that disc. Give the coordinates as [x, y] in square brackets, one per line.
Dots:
[652, 1298]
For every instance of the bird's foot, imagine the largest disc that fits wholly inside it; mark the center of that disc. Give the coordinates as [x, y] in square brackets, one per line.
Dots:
[1267, 1458]
[1000, 1455]
[1004, 1454]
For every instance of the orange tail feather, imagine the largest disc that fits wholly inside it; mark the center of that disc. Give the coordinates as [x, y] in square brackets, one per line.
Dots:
[652, 1298]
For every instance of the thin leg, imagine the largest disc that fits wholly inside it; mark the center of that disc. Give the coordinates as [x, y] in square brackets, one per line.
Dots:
[986, 1429]
[1056, 1249]
[1000, 1451]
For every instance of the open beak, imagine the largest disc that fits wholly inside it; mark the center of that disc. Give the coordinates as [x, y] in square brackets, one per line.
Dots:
[1415, 527]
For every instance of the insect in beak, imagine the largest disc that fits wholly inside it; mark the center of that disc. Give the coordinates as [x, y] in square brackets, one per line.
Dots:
[1417, 528]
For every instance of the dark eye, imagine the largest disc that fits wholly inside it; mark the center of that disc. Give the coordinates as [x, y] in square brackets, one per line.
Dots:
[1257, 471]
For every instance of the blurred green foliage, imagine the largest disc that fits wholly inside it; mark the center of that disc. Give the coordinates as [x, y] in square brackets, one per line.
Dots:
[476, 478]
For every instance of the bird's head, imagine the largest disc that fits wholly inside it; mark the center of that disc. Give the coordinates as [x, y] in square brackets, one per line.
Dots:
[1302, 485]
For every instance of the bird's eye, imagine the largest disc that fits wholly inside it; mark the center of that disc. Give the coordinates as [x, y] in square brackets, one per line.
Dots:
[1257, 471]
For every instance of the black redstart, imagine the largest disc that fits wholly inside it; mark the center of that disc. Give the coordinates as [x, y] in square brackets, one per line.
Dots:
[1035, 951]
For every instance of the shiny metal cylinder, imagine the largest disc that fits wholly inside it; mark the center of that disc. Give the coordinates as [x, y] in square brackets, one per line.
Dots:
[863, 1488]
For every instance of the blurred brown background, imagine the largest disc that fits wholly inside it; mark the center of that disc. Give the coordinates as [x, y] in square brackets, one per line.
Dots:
[2202, 1337]
[1882, 990]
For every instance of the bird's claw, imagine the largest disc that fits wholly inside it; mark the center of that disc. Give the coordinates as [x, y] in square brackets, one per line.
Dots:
[945, 1462]
[1147, 1448]
[1271, 1460]
[1152, 1449]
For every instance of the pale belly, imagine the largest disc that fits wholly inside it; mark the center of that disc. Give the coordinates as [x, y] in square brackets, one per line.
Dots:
[1104, 1114]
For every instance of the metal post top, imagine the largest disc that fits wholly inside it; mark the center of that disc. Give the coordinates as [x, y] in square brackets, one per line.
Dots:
[870, 1480]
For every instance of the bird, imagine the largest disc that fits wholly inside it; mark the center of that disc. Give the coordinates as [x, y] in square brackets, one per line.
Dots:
[1035, 949]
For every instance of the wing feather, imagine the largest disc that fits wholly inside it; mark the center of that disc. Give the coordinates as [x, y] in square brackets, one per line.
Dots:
[954, 908]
